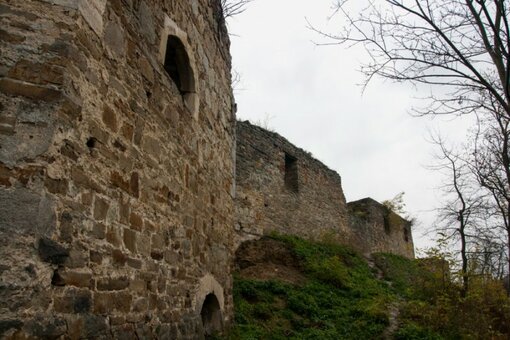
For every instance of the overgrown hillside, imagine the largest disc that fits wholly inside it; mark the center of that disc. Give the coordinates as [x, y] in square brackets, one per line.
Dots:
[289, 288]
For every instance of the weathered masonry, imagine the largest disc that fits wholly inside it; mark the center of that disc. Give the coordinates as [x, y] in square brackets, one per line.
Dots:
[377, 229]
[117, 165]
[281, 188]
[116, 169]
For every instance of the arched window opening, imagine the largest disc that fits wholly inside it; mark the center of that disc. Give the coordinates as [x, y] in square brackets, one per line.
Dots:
[177, 65]
[211, 316]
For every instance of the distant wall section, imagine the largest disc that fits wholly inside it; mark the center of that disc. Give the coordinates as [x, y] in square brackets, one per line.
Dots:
[283, 188]
[377, 229]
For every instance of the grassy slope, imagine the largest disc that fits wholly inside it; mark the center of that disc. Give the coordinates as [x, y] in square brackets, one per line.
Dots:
[341, 299]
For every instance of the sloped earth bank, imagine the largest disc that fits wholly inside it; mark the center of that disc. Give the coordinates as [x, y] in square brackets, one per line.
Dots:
[286, 287]
[268, 259]
[289, 288]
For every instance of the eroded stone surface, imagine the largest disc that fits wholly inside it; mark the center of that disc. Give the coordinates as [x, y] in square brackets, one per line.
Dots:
[283, 188]
[312, 206]
[107, 226]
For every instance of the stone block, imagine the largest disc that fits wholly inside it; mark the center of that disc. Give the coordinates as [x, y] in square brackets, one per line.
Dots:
[33, 131]
[130, 240]
[108, 302]
[82, 180]
[134, 184]
[134, 263]
[118, 181]
[63, 277]
[14, 87]
[76, 259]
[135, 221]
[56, 186]
[92, 11]
[115, 40]
[73, 301]
[127, 131]
[138, 286]
[37, 73]
[113, 237]
[65, 3]
[143, 245]
[101, 207]
[109, 119]
[146, 69]
[46, 327]
[26, 212]
[147, 23]
[94, 327]
[119, 258]
[110, 284]
[141, 305]
[99, 231]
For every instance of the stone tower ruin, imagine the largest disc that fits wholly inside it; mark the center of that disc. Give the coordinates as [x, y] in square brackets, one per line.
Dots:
[116, 169]
[123, 195]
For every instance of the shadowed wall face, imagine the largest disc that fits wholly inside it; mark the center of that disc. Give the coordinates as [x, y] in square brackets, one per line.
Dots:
[116, 168]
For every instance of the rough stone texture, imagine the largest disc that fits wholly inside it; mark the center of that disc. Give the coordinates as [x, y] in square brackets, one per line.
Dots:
[115, 202]
[310, 203]
[117, 216]
[264, 203]
[377, 229]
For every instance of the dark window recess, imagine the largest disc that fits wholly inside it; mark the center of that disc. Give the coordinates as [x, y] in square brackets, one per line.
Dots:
[211, 316]
[406, 235]
[177, 65]
[387, 224]
[291, 173]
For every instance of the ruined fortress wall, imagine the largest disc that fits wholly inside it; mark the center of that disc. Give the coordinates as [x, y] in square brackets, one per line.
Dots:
[116, 183]
[282, 188]
[377, 229]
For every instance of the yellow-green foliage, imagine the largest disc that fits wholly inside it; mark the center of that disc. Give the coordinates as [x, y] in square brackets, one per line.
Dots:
[433, 307]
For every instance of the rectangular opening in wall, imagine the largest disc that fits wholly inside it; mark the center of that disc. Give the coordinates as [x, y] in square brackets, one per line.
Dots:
[291, 173]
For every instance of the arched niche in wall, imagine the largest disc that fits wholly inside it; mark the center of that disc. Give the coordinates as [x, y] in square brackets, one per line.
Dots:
[210, 313]
[179, 63]
[209, 304]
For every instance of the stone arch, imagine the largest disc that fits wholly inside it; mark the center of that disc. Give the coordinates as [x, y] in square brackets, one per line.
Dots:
[209, 304]
[176, 57]
[211, 315]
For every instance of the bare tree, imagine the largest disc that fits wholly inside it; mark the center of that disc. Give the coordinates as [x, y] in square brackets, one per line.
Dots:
[491, 165]
[462, 45]
[233, 7]
[462, 207]
[460, 49]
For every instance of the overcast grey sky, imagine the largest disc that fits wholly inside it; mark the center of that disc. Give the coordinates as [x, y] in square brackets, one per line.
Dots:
[310, 95]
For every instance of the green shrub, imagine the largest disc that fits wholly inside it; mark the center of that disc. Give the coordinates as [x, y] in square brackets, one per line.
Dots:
[412, 331]
[341, 298]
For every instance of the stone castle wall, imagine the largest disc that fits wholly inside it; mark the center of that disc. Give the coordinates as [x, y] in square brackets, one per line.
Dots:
[116, 183]
[281, 188]
[377, 229]
[117, 165]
